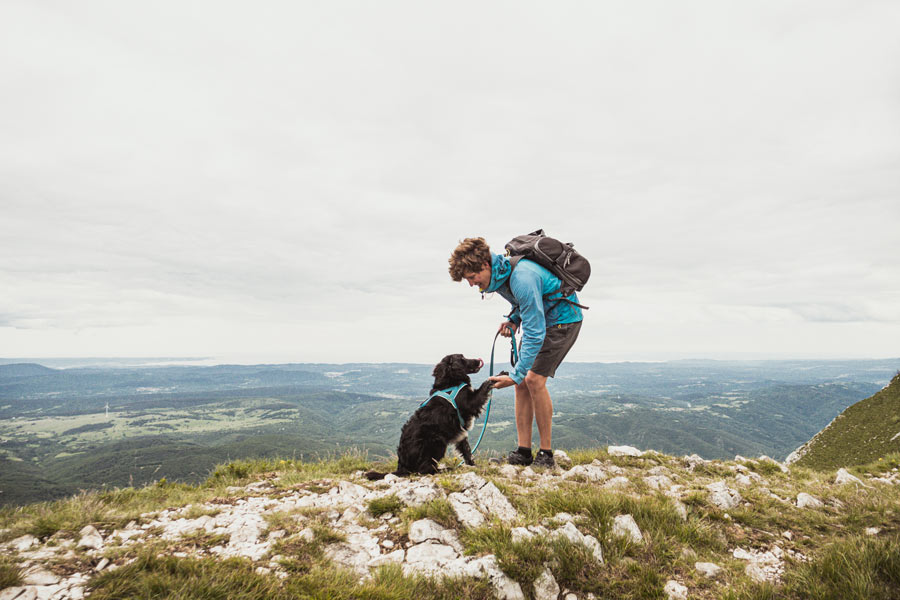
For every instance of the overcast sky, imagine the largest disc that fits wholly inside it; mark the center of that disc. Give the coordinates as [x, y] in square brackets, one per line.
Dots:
[284, 181]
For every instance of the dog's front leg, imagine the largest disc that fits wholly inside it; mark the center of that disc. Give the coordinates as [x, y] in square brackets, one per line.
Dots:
[463, 448]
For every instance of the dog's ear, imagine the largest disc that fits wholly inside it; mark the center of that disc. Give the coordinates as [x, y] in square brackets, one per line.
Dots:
[441, 369]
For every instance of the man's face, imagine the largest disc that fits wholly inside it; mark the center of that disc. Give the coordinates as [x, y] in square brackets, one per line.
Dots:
[480, 278]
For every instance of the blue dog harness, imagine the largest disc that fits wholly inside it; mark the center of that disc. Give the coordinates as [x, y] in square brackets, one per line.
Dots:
[449, 395]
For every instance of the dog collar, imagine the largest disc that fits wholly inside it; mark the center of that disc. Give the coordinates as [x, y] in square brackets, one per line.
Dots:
[449, 395]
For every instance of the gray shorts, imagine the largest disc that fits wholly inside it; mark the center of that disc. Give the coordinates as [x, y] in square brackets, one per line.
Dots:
[558, 340]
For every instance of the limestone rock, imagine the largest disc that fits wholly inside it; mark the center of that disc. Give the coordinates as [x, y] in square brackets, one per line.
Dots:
[90, 538]
[562, 459]
[39, 577]
[588, 472]
[478, 499]
[626, 527]
[545, 586]
[723, 496]
[623, 451]
[805, 500]
[21, 544]
[707, 569]
[675, 590]
[616, 483]
[658, 482]
[571, 533]
[844, 476]
[395, 557]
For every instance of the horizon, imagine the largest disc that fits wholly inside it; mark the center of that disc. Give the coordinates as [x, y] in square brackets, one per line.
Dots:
[74, 362]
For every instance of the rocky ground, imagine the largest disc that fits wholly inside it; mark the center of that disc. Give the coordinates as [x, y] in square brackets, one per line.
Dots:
[260, 520]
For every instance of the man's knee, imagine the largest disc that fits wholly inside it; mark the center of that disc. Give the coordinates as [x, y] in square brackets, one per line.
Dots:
[535, 382]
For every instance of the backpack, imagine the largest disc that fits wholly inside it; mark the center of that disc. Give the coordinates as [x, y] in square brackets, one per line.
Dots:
[559, 258]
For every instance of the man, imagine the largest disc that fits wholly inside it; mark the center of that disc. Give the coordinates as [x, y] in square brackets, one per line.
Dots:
[550, 326]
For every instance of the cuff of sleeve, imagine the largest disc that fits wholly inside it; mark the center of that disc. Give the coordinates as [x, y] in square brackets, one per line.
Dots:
[517, 377]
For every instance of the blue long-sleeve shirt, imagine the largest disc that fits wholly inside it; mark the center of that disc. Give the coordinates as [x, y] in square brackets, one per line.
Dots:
[533, 292]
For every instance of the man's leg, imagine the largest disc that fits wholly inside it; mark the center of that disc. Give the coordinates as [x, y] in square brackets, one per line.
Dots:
[541, 409]
[524, 415]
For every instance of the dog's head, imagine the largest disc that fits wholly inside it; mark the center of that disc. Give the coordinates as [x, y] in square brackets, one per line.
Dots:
[454, 369]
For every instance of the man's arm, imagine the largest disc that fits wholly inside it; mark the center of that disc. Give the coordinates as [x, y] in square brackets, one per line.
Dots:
[526, 286]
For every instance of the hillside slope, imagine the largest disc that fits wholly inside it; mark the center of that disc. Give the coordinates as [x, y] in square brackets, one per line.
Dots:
[613, 523]
[864, 432]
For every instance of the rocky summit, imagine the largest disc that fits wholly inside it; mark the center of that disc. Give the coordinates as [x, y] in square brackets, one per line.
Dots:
[623, 521]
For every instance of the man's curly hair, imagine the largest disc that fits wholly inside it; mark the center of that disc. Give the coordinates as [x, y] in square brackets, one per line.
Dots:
[469, 257]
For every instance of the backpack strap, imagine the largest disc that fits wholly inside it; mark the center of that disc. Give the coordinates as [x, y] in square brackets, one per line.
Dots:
[514, 260]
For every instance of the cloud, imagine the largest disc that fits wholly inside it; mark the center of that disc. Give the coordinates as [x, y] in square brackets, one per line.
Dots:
[309, 168]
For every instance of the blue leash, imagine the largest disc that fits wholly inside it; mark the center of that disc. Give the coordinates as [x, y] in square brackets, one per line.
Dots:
[513, 359]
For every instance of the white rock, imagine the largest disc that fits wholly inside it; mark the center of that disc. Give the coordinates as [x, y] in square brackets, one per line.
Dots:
[743, 480]
[707, 569]
[102, 565]
[616, 483]
[625, 526]
[545, 586]
[509, 471]
[805, 500]
[504, 587]
[694, 460]
[675, 591]
[723, 496]
[658, 482]
[873, 530]
[755, 572]
[844, 476]
[307, 535]
[521, 534]
[38, 576]
[424, 529]
[479, 498]
[430, 553]
[561, 458]
[21, 544]
[466, 510]
[11, 593]
[588, 472]
[681, 509]
[623, 451]
[90, 538]
[395, 557]
[571, 533]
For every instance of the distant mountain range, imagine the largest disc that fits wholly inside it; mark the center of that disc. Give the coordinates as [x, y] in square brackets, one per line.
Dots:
[62, 430]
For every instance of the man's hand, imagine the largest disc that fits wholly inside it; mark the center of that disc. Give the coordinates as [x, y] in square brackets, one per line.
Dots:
[501, 381]
[507, 328]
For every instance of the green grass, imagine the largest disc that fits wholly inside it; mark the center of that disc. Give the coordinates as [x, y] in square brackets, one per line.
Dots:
[439, 511]
[387, 504]
[857, 568]
[863, 433]
[10, 575]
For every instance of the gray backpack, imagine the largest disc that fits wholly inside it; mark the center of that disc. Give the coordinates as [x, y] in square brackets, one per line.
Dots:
[559, 258]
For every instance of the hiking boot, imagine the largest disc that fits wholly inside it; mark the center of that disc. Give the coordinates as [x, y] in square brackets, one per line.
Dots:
[517, 457]
[544, 459]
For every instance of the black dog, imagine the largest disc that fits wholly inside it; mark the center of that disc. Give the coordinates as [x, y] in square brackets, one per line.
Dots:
[426, 435]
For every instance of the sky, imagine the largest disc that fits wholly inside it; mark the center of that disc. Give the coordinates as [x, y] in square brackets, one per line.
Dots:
[285, 181]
